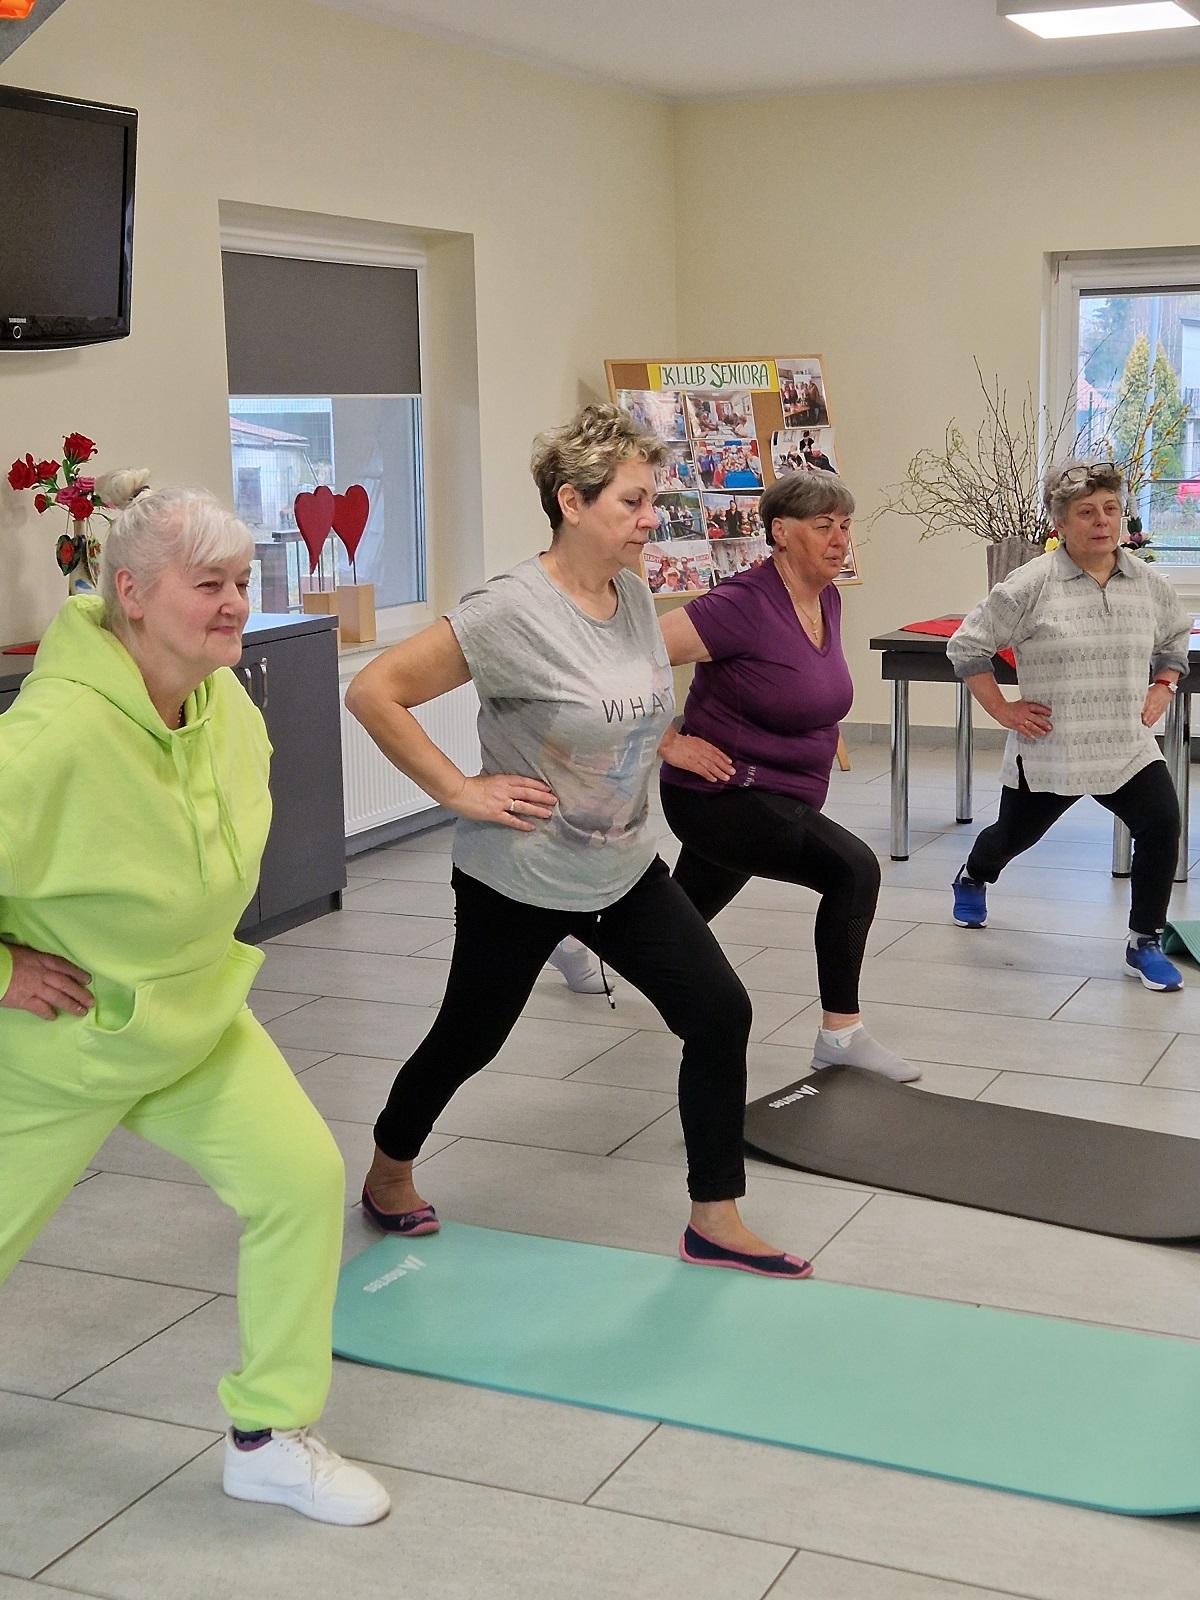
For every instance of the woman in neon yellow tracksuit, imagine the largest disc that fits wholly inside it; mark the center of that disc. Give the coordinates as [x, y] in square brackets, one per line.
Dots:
[122, 987]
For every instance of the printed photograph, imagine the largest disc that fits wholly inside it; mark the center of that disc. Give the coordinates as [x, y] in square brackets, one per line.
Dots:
[720, 411]
[680, 516]
[678, 471]
[684, 566]
[803, 450]
[729, 464]
[732, 516]
[802, 394]
[660, 414]
[731, 556]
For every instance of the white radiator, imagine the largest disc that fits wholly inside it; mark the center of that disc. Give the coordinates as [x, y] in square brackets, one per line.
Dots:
[374, 791]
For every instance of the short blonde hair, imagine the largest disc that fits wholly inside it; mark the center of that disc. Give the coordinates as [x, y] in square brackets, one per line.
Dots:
[586, 453]
[161, 527]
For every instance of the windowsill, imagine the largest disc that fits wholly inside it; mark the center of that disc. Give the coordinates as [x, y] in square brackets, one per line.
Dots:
[1185, 579]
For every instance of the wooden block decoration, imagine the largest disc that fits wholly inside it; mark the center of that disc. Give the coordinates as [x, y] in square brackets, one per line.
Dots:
[356, 612]
[320, 603]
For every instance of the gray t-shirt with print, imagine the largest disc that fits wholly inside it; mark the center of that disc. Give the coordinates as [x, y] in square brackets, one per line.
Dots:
[580, 704]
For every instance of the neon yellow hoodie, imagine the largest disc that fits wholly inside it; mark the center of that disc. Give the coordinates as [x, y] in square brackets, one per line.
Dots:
[132, 850]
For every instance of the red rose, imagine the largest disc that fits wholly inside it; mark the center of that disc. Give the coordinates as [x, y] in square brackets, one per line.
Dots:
[40, 502]
[46, 470]
[78, 447]
[22, 474]
[80, 507]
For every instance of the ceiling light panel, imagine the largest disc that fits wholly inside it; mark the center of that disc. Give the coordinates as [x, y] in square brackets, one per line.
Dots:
[1078, 21]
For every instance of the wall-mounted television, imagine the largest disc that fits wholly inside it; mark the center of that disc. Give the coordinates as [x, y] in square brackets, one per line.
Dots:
[66, 241]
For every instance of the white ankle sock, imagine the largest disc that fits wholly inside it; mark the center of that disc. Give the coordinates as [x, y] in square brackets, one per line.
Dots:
[841, 1037]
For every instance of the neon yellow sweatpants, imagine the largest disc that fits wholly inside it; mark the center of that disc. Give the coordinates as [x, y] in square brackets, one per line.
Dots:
[243, 1123]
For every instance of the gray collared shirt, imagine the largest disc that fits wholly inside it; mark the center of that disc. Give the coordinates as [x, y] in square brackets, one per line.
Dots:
[1087, 651]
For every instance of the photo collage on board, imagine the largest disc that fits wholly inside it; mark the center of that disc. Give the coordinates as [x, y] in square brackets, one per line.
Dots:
[708, 487]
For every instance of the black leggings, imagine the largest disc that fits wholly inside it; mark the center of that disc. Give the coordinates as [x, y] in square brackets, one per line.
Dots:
[732, 835]
[653, 937]
[1146, 805]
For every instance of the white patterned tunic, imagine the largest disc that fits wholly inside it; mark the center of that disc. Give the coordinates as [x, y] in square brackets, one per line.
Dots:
[1088, 652]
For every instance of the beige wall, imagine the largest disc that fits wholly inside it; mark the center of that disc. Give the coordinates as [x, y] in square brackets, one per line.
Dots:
[900, 233]
[563, 188]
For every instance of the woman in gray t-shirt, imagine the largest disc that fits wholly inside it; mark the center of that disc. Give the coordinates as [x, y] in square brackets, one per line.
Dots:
[575, 692]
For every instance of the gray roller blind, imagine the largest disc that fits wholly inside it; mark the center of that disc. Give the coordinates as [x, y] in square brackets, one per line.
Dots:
[319, 327]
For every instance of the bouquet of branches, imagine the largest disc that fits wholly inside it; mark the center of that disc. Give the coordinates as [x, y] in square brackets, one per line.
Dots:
[989, 485]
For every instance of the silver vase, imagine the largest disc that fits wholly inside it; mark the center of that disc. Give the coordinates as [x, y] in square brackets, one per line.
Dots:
[1006, 555]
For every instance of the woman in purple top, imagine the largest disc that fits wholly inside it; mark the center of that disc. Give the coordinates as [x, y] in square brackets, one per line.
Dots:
[744, 780]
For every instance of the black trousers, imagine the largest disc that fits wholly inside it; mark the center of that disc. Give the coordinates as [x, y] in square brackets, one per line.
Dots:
[1146, 805]
[732, 835]
[653, 937]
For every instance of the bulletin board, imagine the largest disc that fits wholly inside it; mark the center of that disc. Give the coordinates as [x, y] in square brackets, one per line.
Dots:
[731, 429]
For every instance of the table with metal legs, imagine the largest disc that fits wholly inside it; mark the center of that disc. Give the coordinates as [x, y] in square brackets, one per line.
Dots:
[921, 658]
[1177, 751]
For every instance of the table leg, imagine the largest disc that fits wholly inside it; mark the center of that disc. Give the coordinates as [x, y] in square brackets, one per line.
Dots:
[1177, 749]
[899, 769]
[1122, 850]
[963, 756]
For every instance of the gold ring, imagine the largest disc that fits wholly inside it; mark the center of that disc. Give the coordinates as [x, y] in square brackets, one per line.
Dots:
[512, 804]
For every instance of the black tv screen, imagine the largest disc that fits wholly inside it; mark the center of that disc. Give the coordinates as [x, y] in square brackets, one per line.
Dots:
[66, 246]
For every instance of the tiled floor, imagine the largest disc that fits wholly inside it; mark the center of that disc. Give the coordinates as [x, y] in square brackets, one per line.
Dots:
[115, 1328]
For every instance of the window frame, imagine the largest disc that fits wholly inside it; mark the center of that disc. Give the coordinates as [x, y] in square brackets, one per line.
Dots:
[1071, 273]
[307, 244]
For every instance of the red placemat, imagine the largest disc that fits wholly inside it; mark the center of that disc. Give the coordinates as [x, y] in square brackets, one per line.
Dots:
[943, 627]
[29, 649]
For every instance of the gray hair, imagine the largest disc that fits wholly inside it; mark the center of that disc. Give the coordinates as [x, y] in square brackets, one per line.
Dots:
[163, 527]
[1072, 480]
[803, 495]
[586, 453]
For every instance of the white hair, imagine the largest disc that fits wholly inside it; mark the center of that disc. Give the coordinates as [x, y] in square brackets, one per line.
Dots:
[159, 528]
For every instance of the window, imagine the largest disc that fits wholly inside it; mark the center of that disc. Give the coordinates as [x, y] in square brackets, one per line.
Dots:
[283, 445]
[324, 378]
[1128, 346]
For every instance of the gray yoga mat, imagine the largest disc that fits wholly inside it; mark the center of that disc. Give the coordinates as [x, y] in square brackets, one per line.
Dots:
[844, 1123]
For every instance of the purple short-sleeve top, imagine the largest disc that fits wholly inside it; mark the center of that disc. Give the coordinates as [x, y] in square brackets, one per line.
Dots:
[768, 697]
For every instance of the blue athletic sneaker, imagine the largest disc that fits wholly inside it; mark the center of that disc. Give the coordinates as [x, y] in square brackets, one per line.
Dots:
[970, 901]
[1145, 960]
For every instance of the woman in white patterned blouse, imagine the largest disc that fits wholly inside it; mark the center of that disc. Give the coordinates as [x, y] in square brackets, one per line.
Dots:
[1101, 641]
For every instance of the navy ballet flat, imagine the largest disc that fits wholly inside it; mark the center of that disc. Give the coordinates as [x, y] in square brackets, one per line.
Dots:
[699, 1251]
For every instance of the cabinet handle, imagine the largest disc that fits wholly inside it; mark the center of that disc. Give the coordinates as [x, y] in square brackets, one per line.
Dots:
[244, 674]
[262, 667]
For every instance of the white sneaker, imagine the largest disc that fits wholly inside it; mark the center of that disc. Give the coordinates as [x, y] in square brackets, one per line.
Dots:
[578, 966]
[295, 1467]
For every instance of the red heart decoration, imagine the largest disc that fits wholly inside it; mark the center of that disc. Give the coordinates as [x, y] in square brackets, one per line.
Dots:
[350, 516]
[314, 518]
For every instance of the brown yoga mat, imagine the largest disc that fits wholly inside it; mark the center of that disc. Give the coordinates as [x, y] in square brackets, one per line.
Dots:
[845, 1123]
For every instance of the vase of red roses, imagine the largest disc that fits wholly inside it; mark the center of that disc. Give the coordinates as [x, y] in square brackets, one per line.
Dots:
[61, 483]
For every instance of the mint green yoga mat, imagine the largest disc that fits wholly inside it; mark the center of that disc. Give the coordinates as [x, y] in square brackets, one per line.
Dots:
[1182, 939]
[1056, 1409]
